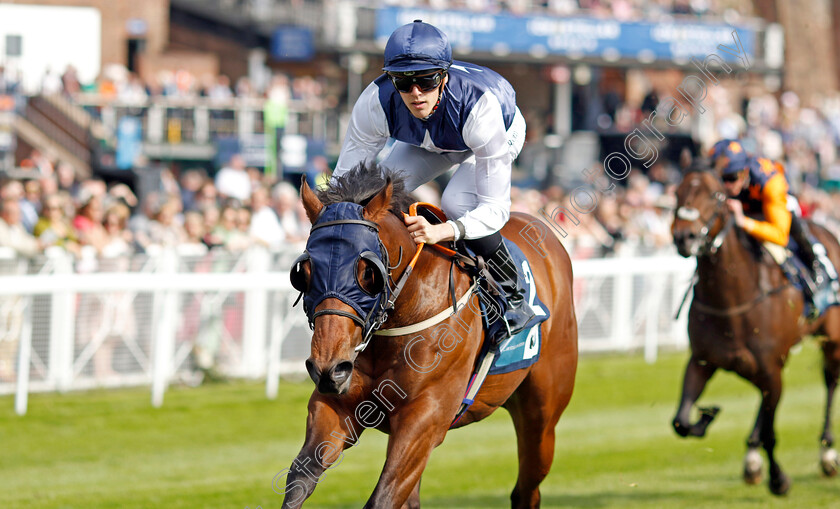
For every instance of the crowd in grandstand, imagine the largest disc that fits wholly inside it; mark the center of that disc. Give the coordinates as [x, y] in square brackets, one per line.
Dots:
[48, 206]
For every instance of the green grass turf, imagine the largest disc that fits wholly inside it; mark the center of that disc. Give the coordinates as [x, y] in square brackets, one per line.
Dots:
[221, 445]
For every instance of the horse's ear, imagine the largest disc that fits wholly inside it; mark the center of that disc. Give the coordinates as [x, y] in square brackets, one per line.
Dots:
[686, 159]
[378, 206]
[311, 202]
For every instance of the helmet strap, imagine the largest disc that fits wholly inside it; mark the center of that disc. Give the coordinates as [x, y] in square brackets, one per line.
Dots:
[440, 94]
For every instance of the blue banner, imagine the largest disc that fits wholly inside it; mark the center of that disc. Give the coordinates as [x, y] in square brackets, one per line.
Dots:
[292, 43]
[575, 37]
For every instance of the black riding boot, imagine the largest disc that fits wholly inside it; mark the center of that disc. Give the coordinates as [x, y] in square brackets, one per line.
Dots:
[500, 264]
[823, 286]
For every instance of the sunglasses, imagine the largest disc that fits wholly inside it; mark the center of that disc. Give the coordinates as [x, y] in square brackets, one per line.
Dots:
[425, 82]
[730, 177]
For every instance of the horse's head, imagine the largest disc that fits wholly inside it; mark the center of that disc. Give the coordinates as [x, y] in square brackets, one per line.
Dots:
[701, 217]
[344, 277]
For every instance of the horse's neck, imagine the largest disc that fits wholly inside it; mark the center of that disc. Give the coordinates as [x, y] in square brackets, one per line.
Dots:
[729, 275]
[427, 290]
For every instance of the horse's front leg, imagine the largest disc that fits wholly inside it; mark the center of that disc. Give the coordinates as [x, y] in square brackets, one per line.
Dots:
[415, 432]
[697, 374]
[330, 429]
[771, 390]
[831, 370]
[752, 460]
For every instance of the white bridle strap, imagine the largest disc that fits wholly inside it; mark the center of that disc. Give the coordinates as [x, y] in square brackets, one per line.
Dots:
[428, 322]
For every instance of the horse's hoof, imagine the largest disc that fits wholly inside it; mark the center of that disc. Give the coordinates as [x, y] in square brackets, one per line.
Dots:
[781, 485]
[829, 462]
[752, 467]
[709, 412]
[679, 428]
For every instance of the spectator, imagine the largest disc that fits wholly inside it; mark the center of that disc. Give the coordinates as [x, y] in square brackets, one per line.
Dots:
[194, 230]
[14, 190]
[118, 238]
[12, 233]
[53, 228]
[210, 216]
[206, 197]
[233, 181]
[164, 230]
[88, 221]
[67, 179]
[285, 203]
[226, 233]
[191, 182]
[265, 228]
[243, 220]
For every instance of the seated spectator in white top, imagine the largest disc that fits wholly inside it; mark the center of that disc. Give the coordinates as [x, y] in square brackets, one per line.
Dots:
[233, 181]
[12, 233]
[13, 189]
[265, 227]
[285, 205]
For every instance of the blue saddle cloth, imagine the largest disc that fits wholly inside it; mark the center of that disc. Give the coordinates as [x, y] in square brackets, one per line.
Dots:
[523, 348]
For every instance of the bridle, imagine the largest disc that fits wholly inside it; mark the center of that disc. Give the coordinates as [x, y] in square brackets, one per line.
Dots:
[710, 244]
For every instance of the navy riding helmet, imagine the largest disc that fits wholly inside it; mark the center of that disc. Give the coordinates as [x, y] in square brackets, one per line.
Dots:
[416, 47]
[340, 239]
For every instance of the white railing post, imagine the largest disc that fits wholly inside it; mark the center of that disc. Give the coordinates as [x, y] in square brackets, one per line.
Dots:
[255, 317]
[155, 120]
[201, 119]
[245, 119]
[280, 321]
[679, 325]
[622, 319]
[24, 359]
[655, 291]
[62, 326]
[164, 322]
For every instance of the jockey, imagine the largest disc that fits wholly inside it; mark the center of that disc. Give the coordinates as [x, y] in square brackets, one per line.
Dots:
[757, 186]
[443, 113]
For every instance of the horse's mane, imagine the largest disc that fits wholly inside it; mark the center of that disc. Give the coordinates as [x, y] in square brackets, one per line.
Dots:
[362, 183]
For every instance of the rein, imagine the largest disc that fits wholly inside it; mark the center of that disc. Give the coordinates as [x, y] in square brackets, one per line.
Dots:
[737, 310]
[741, 308]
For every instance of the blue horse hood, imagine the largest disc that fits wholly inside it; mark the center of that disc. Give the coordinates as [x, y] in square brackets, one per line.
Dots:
[334, 251]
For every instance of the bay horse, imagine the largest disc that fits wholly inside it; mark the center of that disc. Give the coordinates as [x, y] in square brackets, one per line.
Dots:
[411, 385]
[745, 317]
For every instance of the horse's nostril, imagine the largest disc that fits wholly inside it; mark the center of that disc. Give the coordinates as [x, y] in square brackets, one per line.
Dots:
[313, 373]
[342, 371]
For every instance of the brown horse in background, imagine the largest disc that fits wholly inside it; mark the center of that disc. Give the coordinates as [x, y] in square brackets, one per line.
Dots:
[745, 317]
[377, 388]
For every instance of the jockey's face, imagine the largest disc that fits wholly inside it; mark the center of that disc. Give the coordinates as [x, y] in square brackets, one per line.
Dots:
[420, 103]
[735, 182]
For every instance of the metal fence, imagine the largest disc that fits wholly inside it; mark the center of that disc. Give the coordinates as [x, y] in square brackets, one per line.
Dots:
[177, 317]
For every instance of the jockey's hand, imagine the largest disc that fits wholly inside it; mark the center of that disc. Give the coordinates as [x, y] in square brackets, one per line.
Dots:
[737, 209]
[421, 231]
